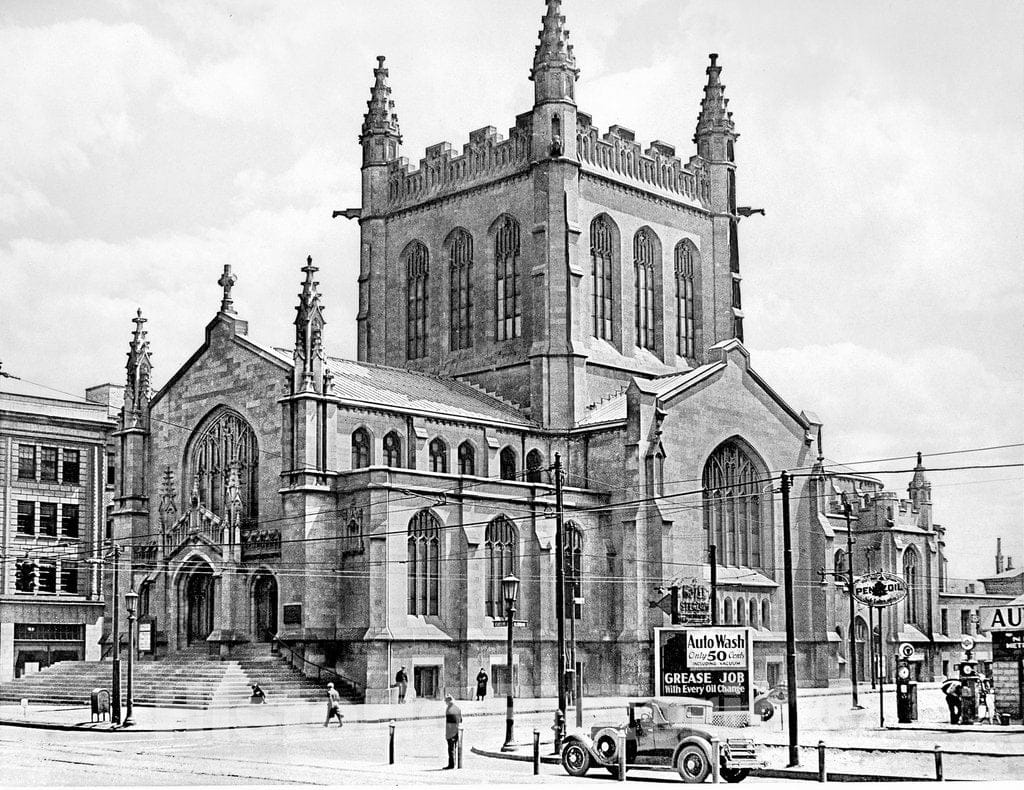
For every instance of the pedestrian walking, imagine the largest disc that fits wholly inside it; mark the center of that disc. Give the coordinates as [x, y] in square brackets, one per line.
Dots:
[333, 706]
[951, 688]
[402, 681]
[481, 684]
[452, 720]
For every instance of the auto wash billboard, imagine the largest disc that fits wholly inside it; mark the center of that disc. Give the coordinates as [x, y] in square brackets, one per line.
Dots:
[707, 662]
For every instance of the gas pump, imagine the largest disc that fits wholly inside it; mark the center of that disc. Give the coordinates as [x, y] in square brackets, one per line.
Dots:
[970, 687]
[906, 689]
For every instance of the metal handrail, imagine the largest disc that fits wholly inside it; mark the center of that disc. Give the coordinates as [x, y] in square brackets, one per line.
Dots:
[320, 669]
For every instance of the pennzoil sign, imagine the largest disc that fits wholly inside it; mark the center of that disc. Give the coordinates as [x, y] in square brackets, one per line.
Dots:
[879, 589]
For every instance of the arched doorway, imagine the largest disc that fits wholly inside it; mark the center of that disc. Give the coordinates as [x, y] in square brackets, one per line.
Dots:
[264, 599]
[199, 603]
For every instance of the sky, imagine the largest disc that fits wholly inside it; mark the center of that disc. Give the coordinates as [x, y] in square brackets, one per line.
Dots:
[145, 145]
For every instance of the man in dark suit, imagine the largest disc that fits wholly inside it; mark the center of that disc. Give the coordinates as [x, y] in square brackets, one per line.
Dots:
[452, 720]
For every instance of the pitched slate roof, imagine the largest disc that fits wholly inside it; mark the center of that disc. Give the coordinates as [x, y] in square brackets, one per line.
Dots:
[377, 385]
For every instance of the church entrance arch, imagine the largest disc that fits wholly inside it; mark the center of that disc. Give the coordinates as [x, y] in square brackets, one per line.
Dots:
[199, 595]
[264, 601]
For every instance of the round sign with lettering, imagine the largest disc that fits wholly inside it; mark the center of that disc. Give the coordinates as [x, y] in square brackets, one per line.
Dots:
[906, 650]
[967, 643]
[879, 589]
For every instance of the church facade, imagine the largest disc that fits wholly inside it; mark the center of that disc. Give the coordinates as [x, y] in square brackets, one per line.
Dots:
[559, 294]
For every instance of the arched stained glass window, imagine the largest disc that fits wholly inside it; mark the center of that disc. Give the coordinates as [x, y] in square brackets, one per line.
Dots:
[467, 459]
[572, 566]
[686, 256]
[502, 550]
[424, 561]
[507, 461]
[393, 449]
[732, 506]
[460, 260]
[417, 272]
[225, 441]
[534, 462]
[360, 448]
[601, 263]
[910, 575]
[508, 307]
[438, 456]
[644, 274]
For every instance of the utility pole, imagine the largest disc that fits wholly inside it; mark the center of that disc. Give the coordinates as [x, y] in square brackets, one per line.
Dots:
[713, 559]
[853, 611]
[115, 669]
[559, 596]
[674, 602]
[794, 754]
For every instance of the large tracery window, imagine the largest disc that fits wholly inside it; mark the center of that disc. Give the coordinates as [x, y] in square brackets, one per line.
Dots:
[732, 506]
[224, 443]
[424, 563]
[501, 545]
[460, 259]
[572, 566]
[644, 273]
[601, 263]
[686, 255]
[508, 307]
[417, 271]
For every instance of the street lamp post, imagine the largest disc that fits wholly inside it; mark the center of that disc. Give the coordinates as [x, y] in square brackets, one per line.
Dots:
[131, 600]
[509, 591]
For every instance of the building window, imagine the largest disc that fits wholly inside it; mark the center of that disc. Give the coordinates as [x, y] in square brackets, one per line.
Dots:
[111, 468]
[46, 581]
[460, 258]
[965, 622]
[69, 520]
[910, 576]
[416, 273]
[507, 463]
[26, 518]
[839, 566]
[644, 273]
[71, 468]
[752, 621]
[26, 462]
[534, 464]
[25, 577]
[728, 611]
[944, 622]
[48, 519]
[572, 566]
[734, 247]
[508, 310]
[601, 265]
[226, 446]
[732, 506]
[424, 563]
[737, 302]
[48, 464]
[69, 577]
[393, 450]
[501, 545]
[360, 448]
[467, 459]
[686, 254]
[438, 456]
[737, 327]
[766, 614]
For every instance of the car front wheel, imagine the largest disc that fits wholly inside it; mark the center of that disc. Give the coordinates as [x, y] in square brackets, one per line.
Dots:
[692, 764]
[575, 759]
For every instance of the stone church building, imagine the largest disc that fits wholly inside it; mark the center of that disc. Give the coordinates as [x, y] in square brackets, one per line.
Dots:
[556, 292]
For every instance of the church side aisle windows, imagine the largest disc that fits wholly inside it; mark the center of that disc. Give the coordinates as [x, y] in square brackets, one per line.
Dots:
[501, 543]
[643, 278]
[424, 563]
[438, 456]
[732, 506]
[686, 254]
[392, 450]
[460, 257]
[572, 566]
[507, 463]
[417, 271]
[360, 448]
[467, 459]
[534, 464]
[601, 263]
[508, 307]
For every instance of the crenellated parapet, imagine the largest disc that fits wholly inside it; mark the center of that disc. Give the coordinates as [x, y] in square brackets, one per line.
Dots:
[658, 169]
[486, 157]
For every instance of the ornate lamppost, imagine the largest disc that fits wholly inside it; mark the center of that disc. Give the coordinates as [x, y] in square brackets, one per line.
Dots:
[509, 591]
[131, 602]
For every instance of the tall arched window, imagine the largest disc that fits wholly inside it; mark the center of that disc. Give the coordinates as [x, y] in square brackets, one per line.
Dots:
[224, 443]
[393, 449]
[501, 542]
[424, 563]
[732, 505]
[910, 575]
[572, 566]
[360, 448]
[416, 272]
[728, 611]
[644, 274]
[460, 267]
[840, 564]
[686, 255]
[508, 307]
[766, 614]
[534, 462]
[601, 264]
[467, 459]
[741, 612]
[438, 456]
[752, 621]
[507, 463]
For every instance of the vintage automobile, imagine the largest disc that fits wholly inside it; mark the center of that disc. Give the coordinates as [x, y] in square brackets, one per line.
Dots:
[662, 732]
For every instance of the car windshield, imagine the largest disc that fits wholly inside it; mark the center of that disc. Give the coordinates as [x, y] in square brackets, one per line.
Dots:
[676, 714]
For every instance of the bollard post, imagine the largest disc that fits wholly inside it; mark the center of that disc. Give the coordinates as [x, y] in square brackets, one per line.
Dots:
[391, 742]
[458, 764]
[536, 752]
[716, 757]
[938, 763]
[622, 755]
[822, 776]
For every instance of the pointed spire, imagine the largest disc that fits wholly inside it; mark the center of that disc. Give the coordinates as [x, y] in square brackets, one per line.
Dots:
[226, 281]
[380, 118]
[714, 116]
[920, 489]
[554, 54]
[309, 327]
[139, 369]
